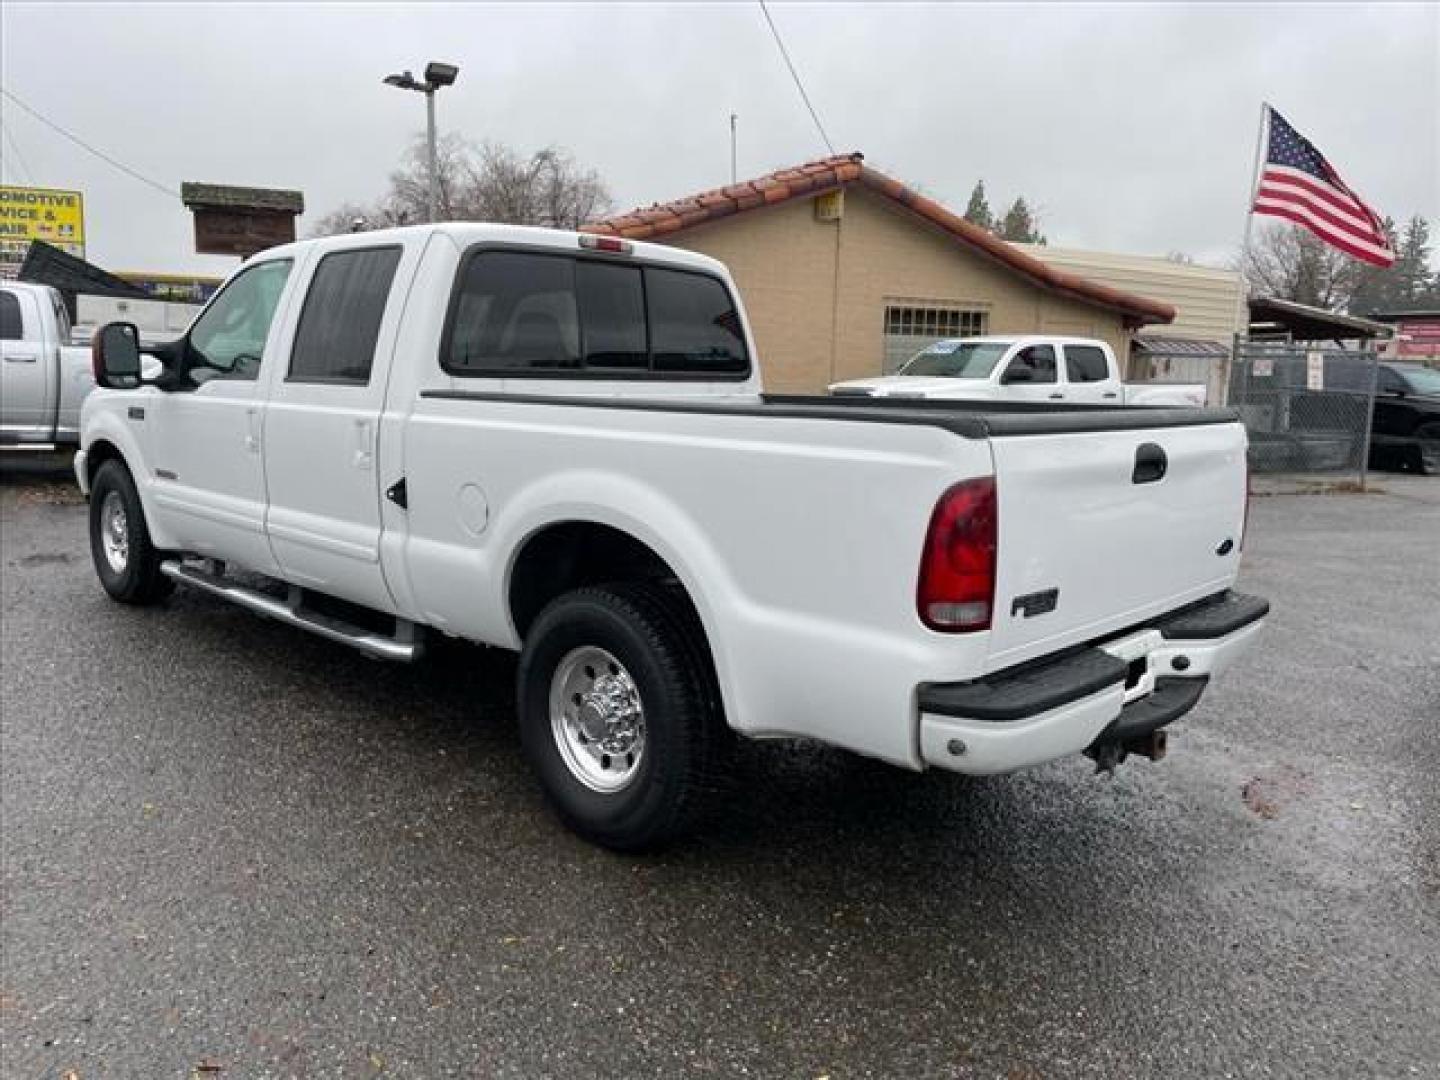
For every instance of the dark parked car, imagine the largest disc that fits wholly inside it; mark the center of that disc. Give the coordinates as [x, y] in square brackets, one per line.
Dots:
[1405, 432]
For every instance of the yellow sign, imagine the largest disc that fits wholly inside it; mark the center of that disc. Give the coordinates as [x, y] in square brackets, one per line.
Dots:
[57, 217]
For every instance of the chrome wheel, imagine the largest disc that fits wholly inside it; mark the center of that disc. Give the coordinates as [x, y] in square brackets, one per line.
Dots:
[115, 532]
[597, 719]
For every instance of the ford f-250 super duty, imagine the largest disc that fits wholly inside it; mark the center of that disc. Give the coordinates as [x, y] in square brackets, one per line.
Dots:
[558, 443]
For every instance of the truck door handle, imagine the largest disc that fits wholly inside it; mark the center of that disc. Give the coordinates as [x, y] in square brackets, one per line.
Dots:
[1150, 464]
[252, 430]
[1057, 397]
[1111, 394]
[364, 455]
[21, 358]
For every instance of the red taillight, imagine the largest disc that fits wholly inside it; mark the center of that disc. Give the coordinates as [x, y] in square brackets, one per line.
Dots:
[957, 567]
[606, 243]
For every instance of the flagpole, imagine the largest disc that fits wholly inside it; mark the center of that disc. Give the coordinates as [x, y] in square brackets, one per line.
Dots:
[1255, 177]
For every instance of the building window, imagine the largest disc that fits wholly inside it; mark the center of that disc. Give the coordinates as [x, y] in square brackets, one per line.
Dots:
[934, 321]
[910, 325]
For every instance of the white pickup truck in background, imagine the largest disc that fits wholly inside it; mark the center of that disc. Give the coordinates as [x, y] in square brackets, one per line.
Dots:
[558, 444]
[43, 378]
[1028, 368]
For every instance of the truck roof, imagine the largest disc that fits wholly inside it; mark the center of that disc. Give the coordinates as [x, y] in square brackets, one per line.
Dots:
[465, 234]
[27, 286]
[1011, 339]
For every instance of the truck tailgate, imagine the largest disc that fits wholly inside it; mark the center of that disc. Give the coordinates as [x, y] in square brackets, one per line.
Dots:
[1101, 530]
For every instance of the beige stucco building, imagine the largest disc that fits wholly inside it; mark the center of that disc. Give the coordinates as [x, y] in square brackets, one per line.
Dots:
[846, 272]
[1209, 305]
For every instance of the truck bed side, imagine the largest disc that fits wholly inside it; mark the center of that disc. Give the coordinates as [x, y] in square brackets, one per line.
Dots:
[796, 524]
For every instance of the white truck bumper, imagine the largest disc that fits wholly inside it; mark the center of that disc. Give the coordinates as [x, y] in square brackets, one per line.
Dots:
[1115, 693]
[81, 476]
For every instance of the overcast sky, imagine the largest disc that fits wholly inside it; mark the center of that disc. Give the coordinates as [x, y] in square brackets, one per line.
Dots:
[1131, 127]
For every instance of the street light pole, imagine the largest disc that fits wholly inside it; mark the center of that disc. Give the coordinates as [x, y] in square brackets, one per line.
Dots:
[434, 201]
[437, 74]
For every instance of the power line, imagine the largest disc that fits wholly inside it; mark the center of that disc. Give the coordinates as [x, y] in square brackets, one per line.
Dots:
[19, 157]
[796, 76]
[90, 149]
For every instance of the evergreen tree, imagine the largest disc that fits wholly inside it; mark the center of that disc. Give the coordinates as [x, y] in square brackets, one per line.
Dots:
[977, 212]
[1374, 285]
[1412, 264]
[1019, 224]
[1408, 283]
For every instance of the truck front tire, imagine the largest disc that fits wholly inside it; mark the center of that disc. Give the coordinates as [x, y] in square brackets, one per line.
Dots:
[620, 714]
[125, 560]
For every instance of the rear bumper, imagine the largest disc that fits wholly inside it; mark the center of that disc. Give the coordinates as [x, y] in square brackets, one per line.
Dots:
[1122, 688]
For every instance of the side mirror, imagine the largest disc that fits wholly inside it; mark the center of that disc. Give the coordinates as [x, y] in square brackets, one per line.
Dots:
[1017, 373]
[115, 356]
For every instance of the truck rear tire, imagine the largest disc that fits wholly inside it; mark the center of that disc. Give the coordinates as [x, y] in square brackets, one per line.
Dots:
[620, 714]
[125, 560]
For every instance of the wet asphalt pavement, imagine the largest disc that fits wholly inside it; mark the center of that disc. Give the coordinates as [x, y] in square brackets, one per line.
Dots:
[231, 849]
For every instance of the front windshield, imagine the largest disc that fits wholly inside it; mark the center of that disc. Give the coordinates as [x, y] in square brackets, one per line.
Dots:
[956, 359]
[1422, 380]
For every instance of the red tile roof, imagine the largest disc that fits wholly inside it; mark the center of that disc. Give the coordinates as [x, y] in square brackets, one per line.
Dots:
[664, 219]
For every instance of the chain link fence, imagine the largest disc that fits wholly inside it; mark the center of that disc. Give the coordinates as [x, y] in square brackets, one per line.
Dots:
[1308, 412]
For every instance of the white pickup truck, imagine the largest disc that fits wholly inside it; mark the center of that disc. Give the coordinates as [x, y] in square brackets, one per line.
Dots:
[1029, 368]
[43, 378]
[558, 444]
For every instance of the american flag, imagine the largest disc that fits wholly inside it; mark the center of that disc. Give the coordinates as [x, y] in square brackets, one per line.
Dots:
[1298, 184]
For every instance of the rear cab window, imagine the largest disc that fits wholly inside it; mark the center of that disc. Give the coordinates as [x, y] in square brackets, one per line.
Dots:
[543, 314]
[1039, 360]
[1086, 363]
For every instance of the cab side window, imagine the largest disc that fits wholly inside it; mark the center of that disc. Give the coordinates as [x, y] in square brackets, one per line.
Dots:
[228, 340]
[340, 323]
[1086, 363]
[1039, 359]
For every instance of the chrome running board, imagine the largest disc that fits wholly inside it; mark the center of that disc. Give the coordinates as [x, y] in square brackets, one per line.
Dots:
[405, 646]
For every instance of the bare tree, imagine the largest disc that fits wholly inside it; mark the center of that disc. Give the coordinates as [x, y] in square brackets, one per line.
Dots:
[1289, 263]
[410, 183]
[489, 183]
[359, 217]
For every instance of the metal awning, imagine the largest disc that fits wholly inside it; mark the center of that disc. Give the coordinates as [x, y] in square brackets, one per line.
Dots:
[1271, 317]
[1159, 345]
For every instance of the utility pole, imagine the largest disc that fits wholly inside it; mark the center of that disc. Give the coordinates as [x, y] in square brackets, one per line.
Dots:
[733, 177]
